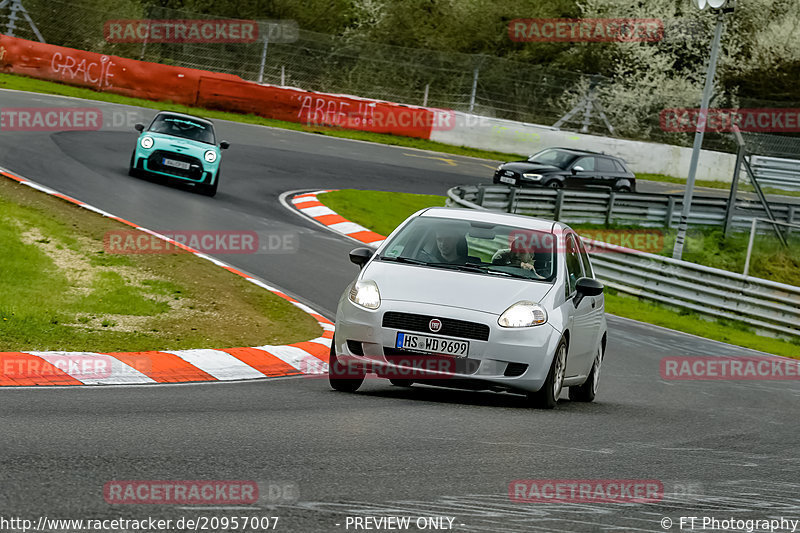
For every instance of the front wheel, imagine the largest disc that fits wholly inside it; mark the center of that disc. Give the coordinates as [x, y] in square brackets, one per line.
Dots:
[624, 189]
[547, 396]
[555, 184]
[401, 382]
[588, 391]
[210, 190]
[343, 377]
[132, 170]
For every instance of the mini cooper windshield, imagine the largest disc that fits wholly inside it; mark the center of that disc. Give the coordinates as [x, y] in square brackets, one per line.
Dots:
[183, 127]
[479, 247]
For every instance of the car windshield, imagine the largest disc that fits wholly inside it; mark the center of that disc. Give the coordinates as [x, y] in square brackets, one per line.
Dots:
[185, 127]
[484, 248]
[556, 158]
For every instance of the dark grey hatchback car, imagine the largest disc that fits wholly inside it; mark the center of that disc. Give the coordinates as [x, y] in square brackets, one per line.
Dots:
[566, 167]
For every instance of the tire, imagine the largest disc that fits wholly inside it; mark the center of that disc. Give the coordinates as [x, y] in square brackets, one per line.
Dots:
[401, 382]
[341, 376]
[210, 190]
[624, 189]
[588, 391]
[555, 184]
[547, 396]
[132, 170]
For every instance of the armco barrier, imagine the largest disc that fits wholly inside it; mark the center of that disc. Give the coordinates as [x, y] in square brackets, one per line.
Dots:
[766, 306]
[608, 207]
[226, 92]
[777, 172]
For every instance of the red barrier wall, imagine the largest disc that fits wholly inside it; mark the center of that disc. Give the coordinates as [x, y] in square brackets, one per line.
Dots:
[213, 90]
[113, 74]
[294, 105]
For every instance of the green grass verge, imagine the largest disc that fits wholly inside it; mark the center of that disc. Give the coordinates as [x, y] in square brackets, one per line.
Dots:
[383, 211]
[61, 290]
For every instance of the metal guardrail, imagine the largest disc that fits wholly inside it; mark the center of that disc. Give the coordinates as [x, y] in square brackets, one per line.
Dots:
[777, 172]
[762, 305]
[609, 207]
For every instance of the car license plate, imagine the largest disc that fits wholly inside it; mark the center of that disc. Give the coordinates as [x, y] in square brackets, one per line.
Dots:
[506, 179]
[177, 164]
[435, 345]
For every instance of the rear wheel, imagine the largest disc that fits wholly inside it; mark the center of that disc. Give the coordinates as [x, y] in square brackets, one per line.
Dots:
[401, 382]
[343, 377]
[547, 396]
[588, 391]
[624, 189]
[555, 184]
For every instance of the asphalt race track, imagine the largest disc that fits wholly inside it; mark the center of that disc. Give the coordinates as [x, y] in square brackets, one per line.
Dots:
[721, 449]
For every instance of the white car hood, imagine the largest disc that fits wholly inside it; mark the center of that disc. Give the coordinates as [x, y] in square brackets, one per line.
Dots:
[479, 292]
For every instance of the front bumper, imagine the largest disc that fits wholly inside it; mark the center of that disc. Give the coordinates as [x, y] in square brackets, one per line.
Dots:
[511, 359]
[199, 171]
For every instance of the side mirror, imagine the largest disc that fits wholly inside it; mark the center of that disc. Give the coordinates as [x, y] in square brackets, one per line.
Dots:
[224, 145]
[360, 256]
[139, 127]
[577, 169]
[587, 287]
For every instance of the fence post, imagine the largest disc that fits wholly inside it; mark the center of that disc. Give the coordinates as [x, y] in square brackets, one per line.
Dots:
[283, 75]
[425, 96]
[670, 211]
[263, 59]
[559, 204]
[609, 213]
[731, 208]
[474, 90]
[750, 246]
[512, 198]
[481, 193]
[790, 220]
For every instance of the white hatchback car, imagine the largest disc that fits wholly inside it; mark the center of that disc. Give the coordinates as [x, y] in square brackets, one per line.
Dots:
[474, 299]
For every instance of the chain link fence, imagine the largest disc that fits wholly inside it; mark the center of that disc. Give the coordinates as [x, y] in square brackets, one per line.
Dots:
[484, 85]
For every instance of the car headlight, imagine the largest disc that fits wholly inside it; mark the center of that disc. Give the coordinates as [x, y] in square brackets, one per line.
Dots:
[500, 166]
[522, 315]
[365, 294]
[146, 142]
[533, 177]
[210, 156]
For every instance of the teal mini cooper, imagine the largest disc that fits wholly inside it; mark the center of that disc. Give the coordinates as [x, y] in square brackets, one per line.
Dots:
[179, 146]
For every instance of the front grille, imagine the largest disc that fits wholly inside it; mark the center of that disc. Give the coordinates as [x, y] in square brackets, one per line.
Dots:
[194, 172]
[426, 361]
[450, 326]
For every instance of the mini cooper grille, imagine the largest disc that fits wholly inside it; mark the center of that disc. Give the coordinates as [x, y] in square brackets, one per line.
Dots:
[194, 172]
[450, 326]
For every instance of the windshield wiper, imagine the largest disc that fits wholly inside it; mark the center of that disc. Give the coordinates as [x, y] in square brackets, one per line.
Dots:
[408, 260]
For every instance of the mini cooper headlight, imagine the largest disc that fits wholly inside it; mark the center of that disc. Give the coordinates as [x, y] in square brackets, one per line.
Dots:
[146, 142]
[365, 294]
[532, 177]
[522, 315]
[210, 156]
